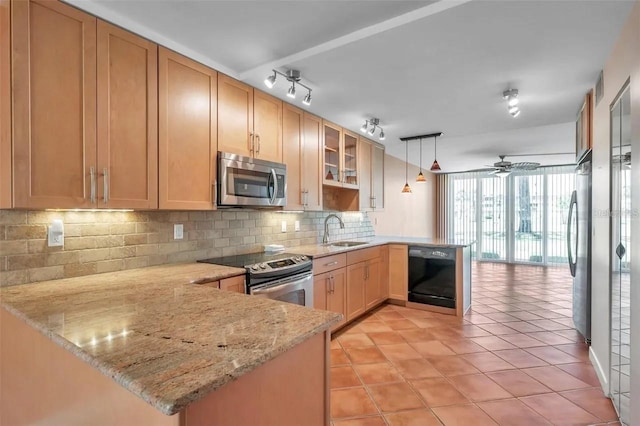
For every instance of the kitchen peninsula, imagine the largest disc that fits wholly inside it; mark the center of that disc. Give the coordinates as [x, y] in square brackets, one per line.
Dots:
[197, 355]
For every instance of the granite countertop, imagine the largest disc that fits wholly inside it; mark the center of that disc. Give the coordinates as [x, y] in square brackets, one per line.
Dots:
[320, 250]
[165, 340]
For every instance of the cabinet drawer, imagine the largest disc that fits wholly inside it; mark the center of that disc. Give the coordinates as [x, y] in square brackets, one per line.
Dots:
[329, 263]
[362, 255]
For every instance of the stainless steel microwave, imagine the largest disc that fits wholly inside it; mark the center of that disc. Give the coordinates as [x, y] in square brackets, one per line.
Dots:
[249, 182]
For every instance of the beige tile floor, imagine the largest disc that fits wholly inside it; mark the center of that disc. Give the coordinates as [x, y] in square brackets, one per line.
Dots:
[514, 360]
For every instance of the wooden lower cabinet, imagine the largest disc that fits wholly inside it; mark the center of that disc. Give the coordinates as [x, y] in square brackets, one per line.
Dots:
[235, 284]
[43, 383]
[384, 272]
[356, 279]
[398, 271]
[329, 293]
[373, 292]
[5, 106]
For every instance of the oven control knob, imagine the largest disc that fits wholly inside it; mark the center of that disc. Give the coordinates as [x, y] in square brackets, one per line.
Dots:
[263, 266]
[303, 257]
[254, 268]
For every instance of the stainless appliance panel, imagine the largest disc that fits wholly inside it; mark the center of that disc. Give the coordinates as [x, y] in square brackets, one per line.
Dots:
[297, 289]
[582, 277]
[246, 181]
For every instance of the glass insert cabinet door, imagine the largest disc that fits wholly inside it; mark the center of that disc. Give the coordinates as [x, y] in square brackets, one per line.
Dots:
[340, 157]
[620, 255]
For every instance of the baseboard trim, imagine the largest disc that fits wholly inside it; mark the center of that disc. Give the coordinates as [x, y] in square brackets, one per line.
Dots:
[602, 377]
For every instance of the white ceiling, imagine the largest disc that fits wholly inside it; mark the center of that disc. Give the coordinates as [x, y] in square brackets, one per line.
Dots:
[420, 67]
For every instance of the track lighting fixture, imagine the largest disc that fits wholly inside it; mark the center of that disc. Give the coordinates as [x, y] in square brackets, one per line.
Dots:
[294, 77]
[435, 167]
[271, 80]
[307, 99]
[291, 93]
[511, 96]
[375, 124]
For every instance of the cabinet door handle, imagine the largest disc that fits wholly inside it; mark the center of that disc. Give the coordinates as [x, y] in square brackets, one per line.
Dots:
[333, 284]
[105, 185]
[258, 143]
[331, 263]
[214, 192]
[92, 174]
[251, 144]
[328, 283]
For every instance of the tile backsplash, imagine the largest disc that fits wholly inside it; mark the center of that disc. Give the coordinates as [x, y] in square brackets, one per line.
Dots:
[97, 242]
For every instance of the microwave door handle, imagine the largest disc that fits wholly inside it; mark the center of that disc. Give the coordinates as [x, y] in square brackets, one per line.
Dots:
[275, 186]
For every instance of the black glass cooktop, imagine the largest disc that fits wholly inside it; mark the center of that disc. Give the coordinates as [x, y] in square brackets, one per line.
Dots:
[242, 260]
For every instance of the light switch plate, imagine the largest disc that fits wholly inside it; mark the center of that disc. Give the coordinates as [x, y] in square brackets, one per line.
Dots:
[284, 226]
[296, 226]
[178, 231]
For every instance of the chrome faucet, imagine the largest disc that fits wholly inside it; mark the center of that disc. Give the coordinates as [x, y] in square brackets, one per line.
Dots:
[325, 238]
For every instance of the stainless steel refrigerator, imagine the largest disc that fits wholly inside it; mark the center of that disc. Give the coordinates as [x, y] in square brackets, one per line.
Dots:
[579, 246]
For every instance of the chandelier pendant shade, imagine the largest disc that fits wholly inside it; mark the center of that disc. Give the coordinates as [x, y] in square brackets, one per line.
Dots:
[420, 178]
[406, 189]
[435, 167]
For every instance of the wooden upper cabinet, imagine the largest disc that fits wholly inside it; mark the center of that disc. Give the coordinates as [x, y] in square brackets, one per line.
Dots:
[5, 106]
[350, 173]
[292, 142]
[127, 119]
[187, 133]
[377, 177]
[366, 197]
[332, 151]
[235, 116]
[54, 105]
[311, 169]
[267, 127]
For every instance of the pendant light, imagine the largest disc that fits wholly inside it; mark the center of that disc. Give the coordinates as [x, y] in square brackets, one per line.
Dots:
[435, 167]
[421, 178]
[406, 189]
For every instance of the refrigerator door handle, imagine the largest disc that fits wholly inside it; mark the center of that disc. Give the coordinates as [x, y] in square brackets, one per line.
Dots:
[571, 255]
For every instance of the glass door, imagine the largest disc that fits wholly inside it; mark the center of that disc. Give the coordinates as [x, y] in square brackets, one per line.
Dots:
[332, 155]
[620, 255]
[350, 160]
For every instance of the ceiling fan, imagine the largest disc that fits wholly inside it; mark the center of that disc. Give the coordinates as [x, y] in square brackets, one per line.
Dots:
[504, 168]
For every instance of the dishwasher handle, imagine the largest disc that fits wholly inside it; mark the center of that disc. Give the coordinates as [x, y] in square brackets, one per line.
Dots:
[432, 253]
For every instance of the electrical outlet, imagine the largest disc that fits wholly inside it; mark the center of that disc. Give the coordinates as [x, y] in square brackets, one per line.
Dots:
[284, 226]
[178, 231]
[296, 226]
[55, 234]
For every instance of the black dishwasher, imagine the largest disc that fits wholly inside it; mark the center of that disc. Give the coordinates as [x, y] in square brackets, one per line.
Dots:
[432, 276]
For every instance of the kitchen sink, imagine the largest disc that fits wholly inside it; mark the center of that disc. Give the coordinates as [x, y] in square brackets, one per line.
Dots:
[347, 243]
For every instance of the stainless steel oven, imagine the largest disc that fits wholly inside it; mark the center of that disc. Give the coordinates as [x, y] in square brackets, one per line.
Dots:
[246, 181]
[297, 289]
[280, 276]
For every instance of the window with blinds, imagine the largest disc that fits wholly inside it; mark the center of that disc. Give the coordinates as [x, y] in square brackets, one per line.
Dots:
[520, 218]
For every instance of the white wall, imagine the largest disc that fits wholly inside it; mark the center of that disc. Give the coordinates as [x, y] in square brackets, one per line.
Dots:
[406, 215]
[623, 63]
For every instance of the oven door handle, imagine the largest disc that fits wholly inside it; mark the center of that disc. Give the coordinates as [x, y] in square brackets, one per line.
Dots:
[278, 286]
[275, 185]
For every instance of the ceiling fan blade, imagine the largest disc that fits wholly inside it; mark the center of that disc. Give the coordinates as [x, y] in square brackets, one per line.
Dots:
[494, 171]
[527, 165]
